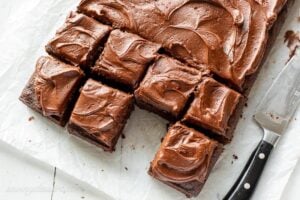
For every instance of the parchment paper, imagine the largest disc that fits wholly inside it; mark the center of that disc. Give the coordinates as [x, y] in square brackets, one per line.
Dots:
[26, 26]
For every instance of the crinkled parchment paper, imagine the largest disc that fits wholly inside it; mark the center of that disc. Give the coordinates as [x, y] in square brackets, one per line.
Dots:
[26, 26]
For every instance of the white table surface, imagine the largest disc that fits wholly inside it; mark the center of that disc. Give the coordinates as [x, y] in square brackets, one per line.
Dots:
[22, 178]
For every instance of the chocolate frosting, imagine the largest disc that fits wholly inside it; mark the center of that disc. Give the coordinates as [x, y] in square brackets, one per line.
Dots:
[168, 85]
[78, 39]
[125, 57]
[213, 105]
[54, 84]
[226, 36]
[184, 156]
[100, 111]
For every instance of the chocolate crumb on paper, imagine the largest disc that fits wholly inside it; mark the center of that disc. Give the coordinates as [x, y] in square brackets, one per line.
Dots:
[292, 39]
[235, 157]
[31, 118]
[132, 147]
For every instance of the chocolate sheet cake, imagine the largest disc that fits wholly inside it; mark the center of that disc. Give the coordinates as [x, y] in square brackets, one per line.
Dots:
[226, 37]
[192, 62]
[100, 114]
[52, 89]
[125, 58]
[185, 159]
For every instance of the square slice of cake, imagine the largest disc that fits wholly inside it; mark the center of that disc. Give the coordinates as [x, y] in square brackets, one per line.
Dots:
[100, 114]
[167, 87]
[185, 159]
[79, 41]
[52, 89]
[125, 59]
[215, 108]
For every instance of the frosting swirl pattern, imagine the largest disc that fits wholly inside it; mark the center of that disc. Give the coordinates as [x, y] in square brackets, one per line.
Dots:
[213, 105]
[226, 36]
[184, 156]
[168, 85]
[78, 39]
[54, 84]
[100, 111]
[125, 57]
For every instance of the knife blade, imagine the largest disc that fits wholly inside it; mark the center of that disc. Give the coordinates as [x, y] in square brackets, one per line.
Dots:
[273, 114]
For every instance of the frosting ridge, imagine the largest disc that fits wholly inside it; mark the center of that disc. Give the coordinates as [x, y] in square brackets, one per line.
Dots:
[100, 110]
[184, 156]
[54, 84]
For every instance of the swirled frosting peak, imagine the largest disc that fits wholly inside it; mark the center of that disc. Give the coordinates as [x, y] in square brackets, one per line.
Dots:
[125, 58]
[213, 106]
[78, 40]
[167, 85]
[184, 155]
[226, 36]
[101, 111]
[54, 84]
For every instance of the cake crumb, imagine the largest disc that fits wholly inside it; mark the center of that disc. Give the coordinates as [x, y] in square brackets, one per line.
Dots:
[82, 197]
[241, 116]
[161, 139]
[126, 168]
[132, 147]
[292, 40]
[235, 157]
[123, 136]
[31, 118]
[246, 104]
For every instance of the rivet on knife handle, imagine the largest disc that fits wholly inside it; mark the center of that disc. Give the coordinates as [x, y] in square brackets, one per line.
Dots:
[245, 184]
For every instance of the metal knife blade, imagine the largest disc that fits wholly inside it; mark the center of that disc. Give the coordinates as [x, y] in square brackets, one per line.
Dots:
[281, 100]
[273, 114]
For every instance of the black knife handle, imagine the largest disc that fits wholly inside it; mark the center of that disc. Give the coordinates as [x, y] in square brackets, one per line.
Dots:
[245, 184]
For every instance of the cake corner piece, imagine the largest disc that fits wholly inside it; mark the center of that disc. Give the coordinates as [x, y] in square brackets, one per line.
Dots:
[52, 100]
[185, 144]
[79, 40]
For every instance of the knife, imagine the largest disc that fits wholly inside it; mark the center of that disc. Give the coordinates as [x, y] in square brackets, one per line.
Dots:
[273, 114]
